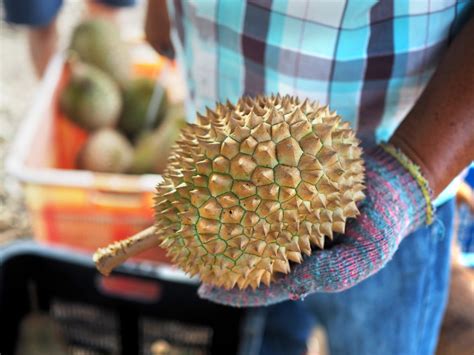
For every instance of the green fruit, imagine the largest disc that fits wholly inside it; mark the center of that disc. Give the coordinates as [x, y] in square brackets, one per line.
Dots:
[136, 101]
[144, 154]
[153, 148]
[97, 41]
[91, 99]
[106, 151]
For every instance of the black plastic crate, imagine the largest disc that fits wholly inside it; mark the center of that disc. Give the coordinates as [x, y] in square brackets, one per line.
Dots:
[123, 314]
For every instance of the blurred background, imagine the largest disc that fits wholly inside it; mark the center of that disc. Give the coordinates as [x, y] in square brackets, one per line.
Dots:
[72, 184]
[20, 84]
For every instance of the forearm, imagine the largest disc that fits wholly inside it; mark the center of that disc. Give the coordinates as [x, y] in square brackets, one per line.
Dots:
[438, 133]
[42, 43]
[157, 27]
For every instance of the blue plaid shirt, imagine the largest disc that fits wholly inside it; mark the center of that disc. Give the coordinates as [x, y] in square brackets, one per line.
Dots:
[369, 60]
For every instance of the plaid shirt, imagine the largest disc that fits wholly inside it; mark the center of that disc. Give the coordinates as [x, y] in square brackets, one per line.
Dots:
[369, 60]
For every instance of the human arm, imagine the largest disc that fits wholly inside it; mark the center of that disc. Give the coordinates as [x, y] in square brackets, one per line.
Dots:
[157, 27]
[438, 133]
[465, 195]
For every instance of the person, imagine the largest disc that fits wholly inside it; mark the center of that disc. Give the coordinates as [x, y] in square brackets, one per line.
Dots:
[40, 17]
[465, 212]
[400, 72]
[457, 330]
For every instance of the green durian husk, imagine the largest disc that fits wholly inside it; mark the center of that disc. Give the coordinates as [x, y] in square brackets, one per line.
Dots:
[91, 99]
[106, 151]
[97, 41]
[136, 101]
[152, 148]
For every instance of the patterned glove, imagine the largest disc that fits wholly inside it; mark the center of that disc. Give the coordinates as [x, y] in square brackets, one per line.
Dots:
[398, 202]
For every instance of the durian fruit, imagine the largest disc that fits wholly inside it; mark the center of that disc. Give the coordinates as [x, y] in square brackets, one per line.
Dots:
[249, 189]
[90, 98]
[153, 148]
[97, 41]
[136, 103]
[106, 150]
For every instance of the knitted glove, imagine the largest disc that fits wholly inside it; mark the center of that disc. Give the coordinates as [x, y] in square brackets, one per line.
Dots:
[397, 203]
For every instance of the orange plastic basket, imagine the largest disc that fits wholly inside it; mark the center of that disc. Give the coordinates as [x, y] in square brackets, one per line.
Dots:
[76, 208]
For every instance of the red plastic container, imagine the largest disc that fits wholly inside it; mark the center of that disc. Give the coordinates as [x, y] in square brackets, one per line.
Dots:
[76, 208]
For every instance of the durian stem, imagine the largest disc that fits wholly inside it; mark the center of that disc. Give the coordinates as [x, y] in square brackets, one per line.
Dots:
[108, 258]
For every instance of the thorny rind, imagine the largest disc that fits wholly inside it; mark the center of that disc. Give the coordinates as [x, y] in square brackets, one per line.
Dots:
[252, 186]
[249, 189]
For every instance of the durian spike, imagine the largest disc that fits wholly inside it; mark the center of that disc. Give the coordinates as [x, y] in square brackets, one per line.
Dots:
[108, 258]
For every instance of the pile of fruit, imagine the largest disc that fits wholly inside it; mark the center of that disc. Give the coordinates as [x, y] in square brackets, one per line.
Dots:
[130, 122]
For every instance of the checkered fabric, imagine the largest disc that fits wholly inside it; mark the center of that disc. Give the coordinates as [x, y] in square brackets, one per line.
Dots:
[369, 60]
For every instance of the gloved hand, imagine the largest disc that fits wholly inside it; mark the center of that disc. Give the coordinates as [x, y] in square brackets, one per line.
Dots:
[397, 202]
